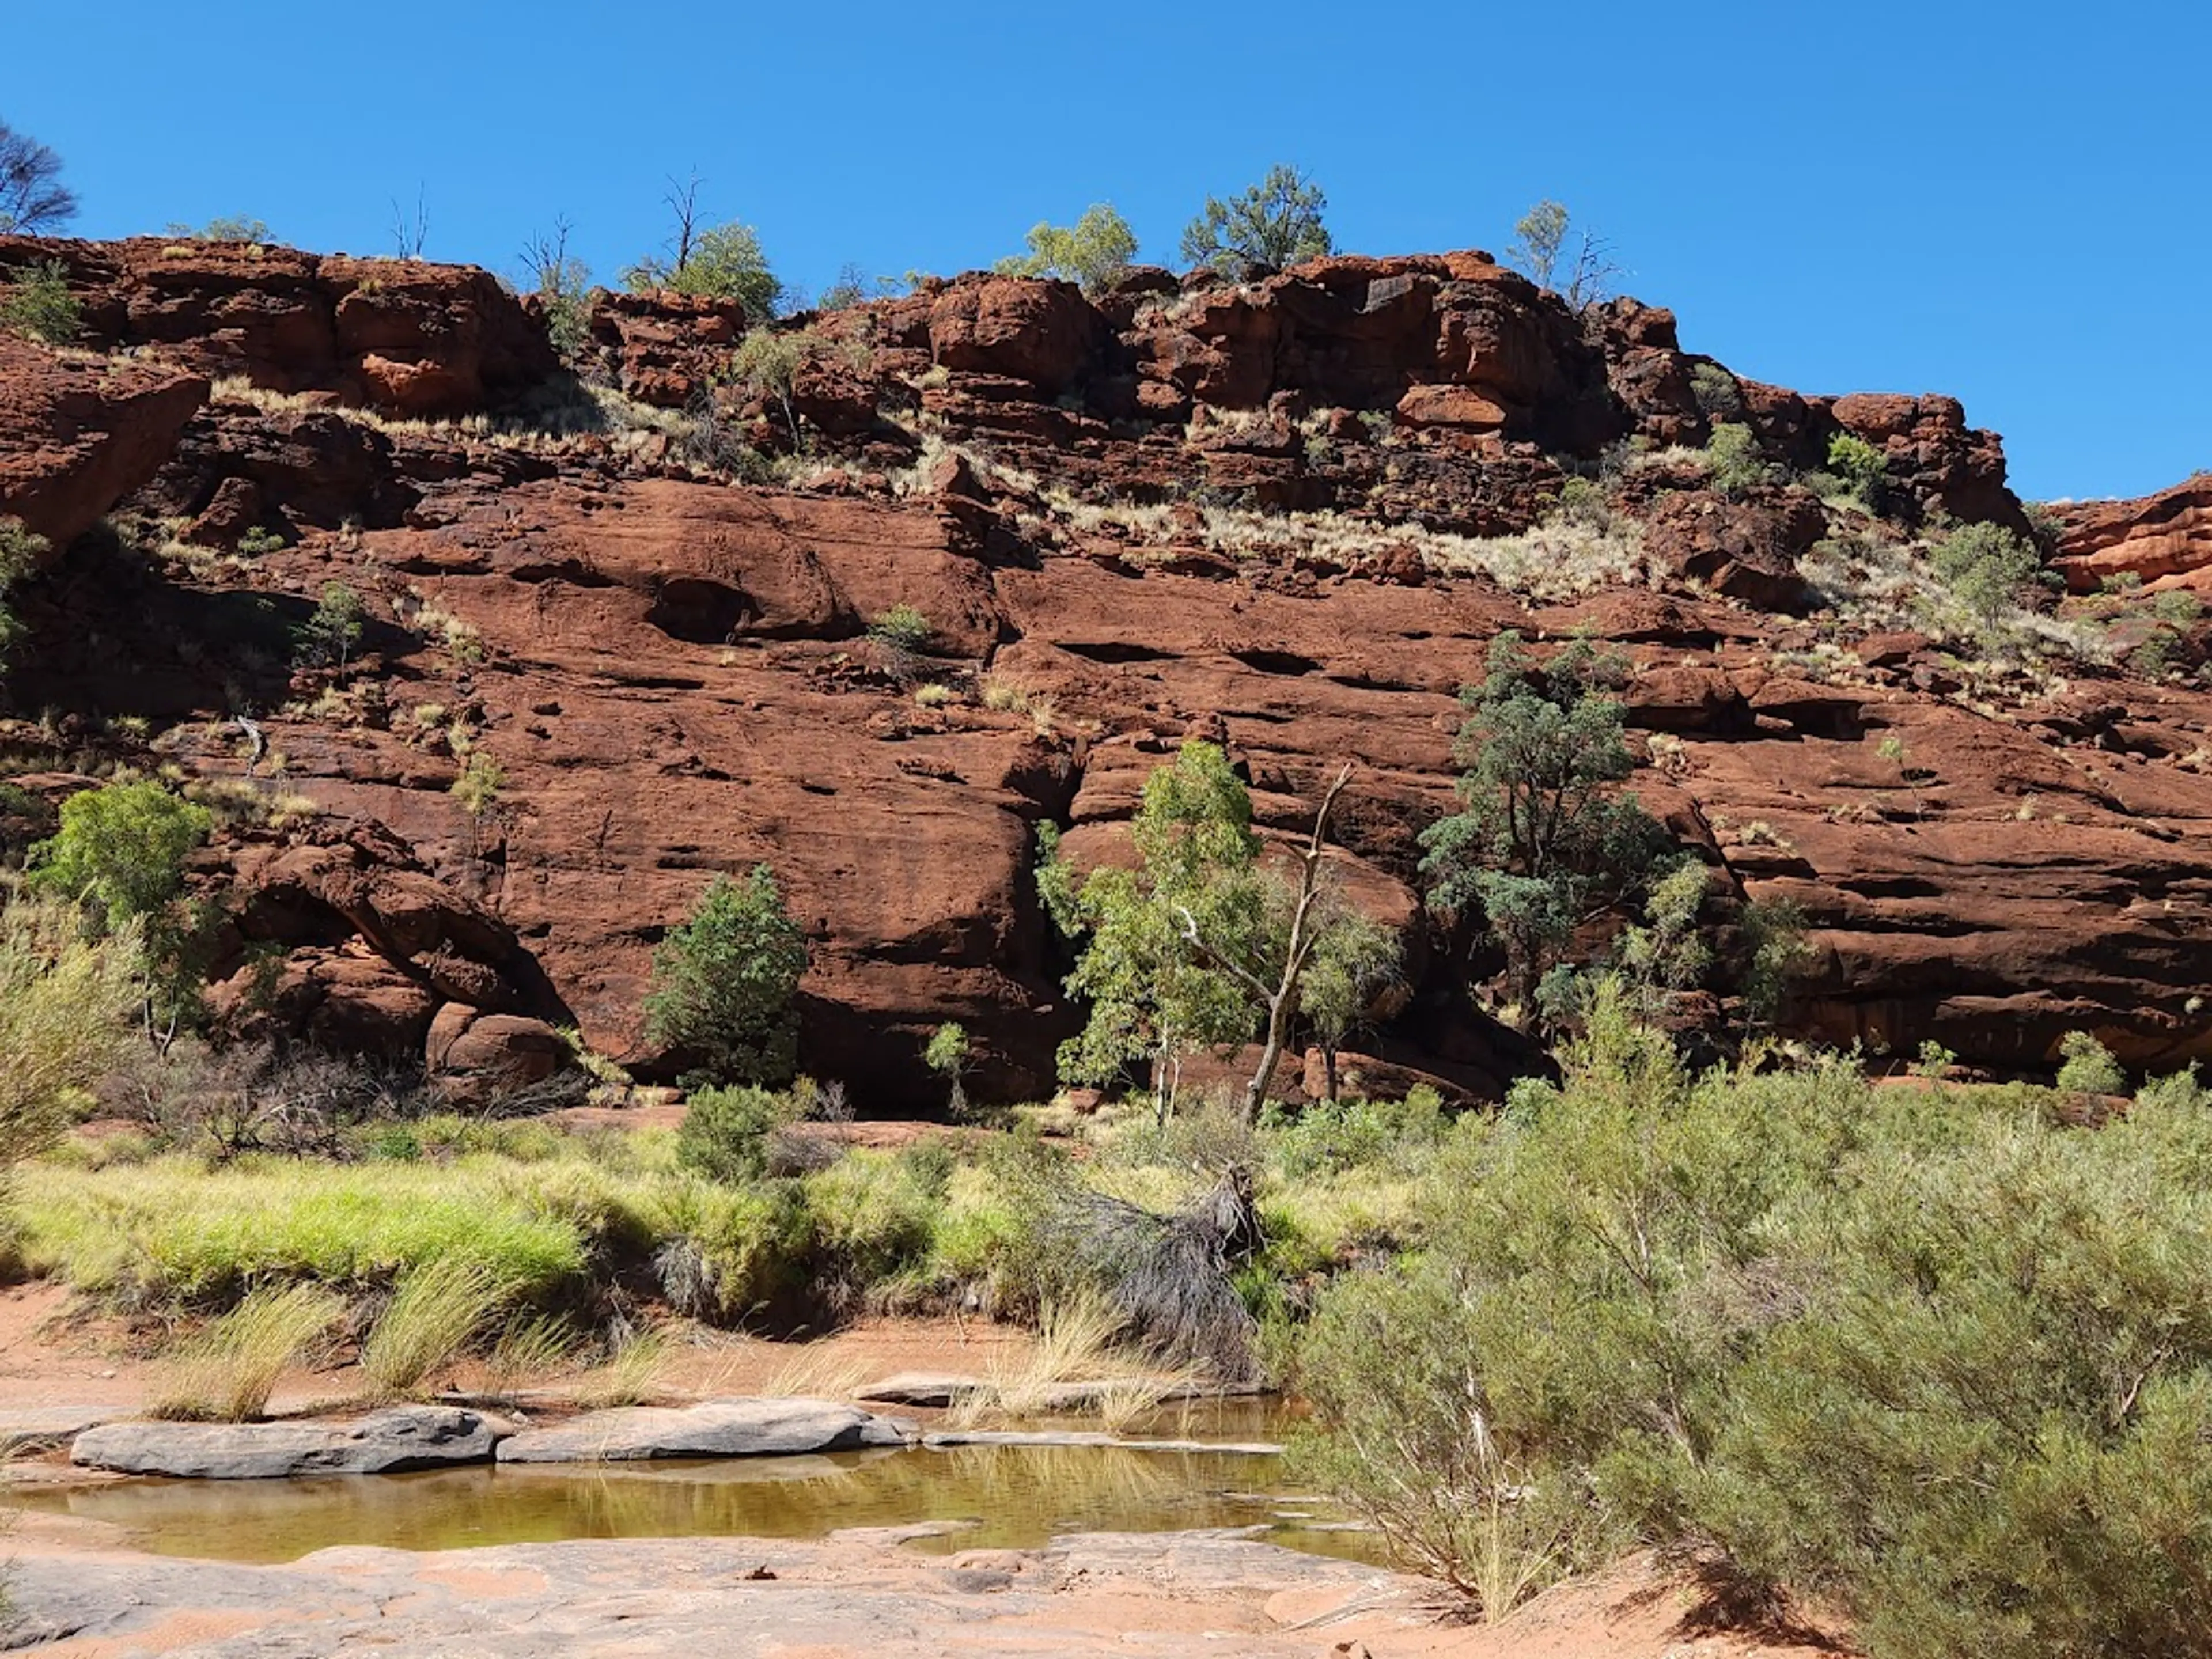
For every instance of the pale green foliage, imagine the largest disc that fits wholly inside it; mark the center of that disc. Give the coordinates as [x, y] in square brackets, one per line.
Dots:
[723, 982]
[1579, 269]
[561, 284]
[1989, 569]
[1775, 954]
[1938, 1361]
[1734, 462]
[1152, 995]
[1354, 961]
[38, 303]
[1861, 466]
[235, 228]
[766, 364]
[1275, 223]
[478, 784]
[2089, 1067]
[433, 1315]
[69, 1009]
[121, 850]
[947, 1049]
[1093, 251]
[1667, 952]
[333, 634]
[227, 1371]
[1542, 842]
[725, 263]
[902, 627]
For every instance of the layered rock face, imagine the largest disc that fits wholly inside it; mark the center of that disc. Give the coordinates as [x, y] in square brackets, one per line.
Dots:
[1289, 515]
[2165, 539]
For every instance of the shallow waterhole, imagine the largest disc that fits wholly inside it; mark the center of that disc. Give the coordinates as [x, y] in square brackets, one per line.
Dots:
[991, 1496]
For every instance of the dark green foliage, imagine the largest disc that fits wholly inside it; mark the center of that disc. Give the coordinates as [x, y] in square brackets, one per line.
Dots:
[1719, 395]
[1941, 1361]
[329, 638]
[724, 1132]
[37, 302]
[1542, 844]
[561, 285]
[20, 553]
[723, 983]
[1277, 222]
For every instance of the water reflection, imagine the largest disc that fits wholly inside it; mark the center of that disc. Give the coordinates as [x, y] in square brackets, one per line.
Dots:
[1014, 1495]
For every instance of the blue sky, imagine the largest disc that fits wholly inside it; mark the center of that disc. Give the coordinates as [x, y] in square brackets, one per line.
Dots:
[2003, 202]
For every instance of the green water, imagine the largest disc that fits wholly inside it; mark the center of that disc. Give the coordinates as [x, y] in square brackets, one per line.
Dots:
[1007, 1496]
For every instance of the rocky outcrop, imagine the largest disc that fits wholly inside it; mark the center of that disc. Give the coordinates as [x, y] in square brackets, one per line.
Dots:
[715, 1428]
[391, 1441]
[2164, 540]
[1239, 512]
[400, 336]
[78, 434]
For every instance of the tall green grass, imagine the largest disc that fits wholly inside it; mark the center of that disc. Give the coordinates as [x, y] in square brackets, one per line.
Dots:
[431, 1319]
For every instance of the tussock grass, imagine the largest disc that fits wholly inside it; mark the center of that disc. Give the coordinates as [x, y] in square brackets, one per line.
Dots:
[529, 1351]
[172, 1232]
[818, 1376]
[634, 1374]
[1075, 1341]
[433, 1316]
[226, 1372]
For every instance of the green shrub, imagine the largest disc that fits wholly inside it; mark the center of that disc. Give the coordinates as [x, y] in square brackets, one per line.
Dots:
[1935, 1360]
[121, 850]
[38, 303]
[874, 1216]
[69, 1008]
[1093, 251]
[20, 553]
[724, 262]
[1734, 462]
[1719, 395]
[724, 980]
[478, 786]
[724, 1132]
[332, 635]
[1275, 223]
[902, 628]
[235, 228]
[1862, 467]
[1990, 570]
[2088, 1067]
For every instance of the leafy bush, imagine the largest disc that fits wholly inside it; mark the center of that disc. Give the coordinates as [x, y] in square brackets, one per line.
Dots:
[1277, 222]
[1718, 393]
[2089, 1067]
[724, 262]
[1863, 468]
[39, 303]
[478, 784]
[1093, 251]
[20, 553]
[68, 1007]
[332, 635]
[902, 628]
[723, 982]
[1941, 1364]
[121, 850]
[237, 227]
[1989, 569]
[1734, 462]
[724, 1132]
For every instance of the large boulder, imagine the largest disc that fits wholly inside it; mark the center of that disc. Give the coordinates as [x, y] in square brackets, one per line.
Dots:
[76, 436]
[387, 1442]
[2164, 539]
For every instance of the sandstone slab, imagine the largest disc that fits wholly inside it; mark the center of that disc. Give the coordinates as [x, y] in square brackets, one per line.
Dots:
[390, 1441]
[715, 1428]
